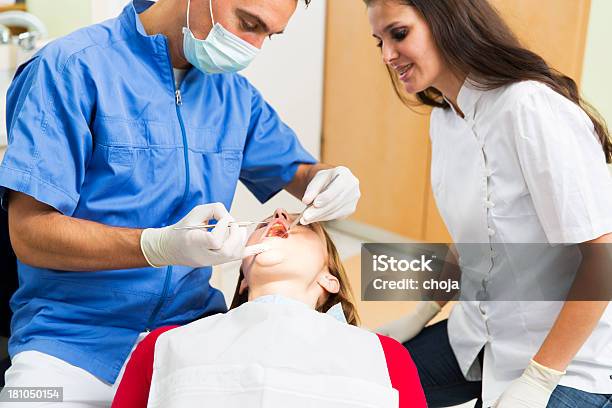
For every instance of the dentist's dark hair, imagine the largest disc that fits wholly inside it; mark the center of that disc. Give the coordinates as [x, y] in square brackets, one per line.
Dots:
[474, 39]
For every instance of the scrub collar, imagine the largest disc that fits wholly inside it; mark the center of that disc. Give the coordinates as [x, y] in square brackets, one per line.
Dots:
[468, 97]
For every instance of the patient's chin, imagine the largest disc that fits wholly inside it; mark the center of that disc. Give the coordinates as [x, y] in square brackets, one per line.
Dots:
[270, 257]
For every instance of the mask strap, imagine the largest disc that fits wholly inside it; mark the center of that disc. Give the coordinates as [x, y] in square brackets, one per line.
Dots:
[188, 7]
[212, 18]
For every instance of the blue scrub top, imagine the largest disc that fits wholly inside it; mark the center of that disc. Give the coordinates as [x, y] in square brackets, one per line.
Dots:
[96, 130]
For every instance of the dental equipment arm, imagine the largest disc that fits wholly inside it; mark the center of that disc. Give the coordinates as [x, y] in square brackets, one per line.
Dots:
[25, 20]
[36, 29]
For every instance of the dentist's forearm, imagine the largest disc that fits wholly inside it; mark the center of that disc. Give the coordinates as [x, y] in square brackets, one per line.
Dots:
[303, 176]
[44, 238]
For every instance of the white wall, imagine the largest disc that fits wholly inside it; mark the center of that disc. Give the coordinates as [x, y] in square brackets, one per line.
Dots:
[289, 74]
[104, 9]
[596, 78]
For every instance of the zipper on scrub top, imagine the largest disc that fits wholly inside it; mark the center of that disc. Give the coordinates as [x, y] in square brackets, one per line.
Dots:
[161, 300]
[179, 103]
[178, 99]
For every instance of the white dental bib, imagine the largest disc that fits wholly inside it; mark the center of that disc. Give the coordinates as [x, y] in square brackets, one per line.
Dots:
[266, 354]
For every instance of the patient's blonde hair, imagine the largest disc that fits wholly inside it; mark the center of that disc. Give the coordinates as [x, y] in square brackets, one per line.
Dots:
[335, 267]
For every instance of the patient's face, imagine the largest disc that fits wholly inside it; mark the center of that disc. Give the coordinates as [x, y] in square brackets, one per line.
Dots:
[300, 253]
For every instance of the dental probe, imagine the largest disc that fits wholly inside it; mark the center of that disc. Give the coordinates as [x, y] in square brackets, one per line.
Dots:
[210, 226]
[297, 219]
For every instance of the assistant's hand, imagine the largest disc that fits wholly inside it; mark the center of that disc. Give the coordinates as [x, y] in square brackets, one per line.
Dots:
[408, 326]
[195, 248]
[333, 193]
[532, 389]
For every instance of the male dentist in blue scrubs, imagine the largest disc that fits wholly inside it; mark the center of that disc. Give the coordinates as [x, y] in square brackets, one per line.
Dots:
[118, 133]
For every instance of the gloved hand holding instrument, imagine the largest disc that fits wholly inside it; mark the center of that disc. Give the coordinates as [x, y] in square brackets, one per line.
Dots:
[189, 243]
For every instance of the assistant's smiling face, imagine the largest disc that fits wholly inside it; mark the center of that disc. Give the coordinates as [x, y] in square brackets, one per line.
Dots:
[407, 44]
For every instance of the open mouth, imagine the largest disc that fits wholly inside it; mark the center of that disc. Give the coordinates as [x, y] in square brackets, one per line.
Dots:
[277, 229]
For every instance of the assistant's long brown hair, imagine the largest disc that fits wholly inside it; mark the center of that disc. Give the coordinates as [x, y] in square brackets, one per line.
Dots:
[474, 39]
[336, 268]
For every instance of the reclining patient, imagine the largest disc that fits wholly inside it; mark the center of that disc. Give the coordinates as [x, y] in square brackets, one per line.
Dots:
[289, 340]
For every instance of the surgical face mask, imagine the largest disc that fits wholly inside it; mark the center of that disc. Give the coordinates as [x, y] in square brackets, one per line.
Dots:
[221, 52]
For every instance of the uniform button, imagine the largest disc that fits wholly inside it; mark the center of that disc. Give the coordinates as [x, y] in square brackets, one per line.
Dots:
[490, 204]
[490, 231]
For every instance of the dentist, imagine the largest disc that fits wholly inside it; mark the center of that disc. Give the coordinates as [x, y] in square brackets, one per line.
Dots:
[118, 133]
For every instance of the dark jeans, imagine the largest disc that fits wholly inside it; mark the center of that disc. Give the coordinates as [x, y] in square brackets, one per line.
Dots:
[441, 377]
[566, 397]
[445, 385]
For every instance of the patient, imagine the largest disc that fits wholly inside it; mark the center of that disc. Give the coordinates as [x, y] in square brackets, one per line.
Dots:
[290, 340]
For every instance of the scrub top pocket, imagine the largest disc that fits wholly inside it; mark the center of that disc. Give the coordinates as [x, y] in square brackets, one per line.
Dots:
[215, 153]
[232, 161]
[130, 157]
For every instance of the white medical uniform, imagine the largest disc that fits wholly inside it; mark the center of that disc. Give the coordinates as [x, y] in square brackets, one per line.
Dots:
[263, 355]
[523, 166]
[80, 389]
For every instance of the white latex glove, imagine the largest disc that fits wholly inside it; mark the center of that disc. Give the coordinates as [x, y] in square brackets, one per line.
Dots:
[532, 389]
[195, 248]
[331, 200]
[408, 326]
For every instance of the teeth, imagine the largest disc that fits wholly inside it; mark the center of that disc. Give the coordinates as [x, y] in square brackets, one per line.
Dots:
[277, 230]
[405, 69]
